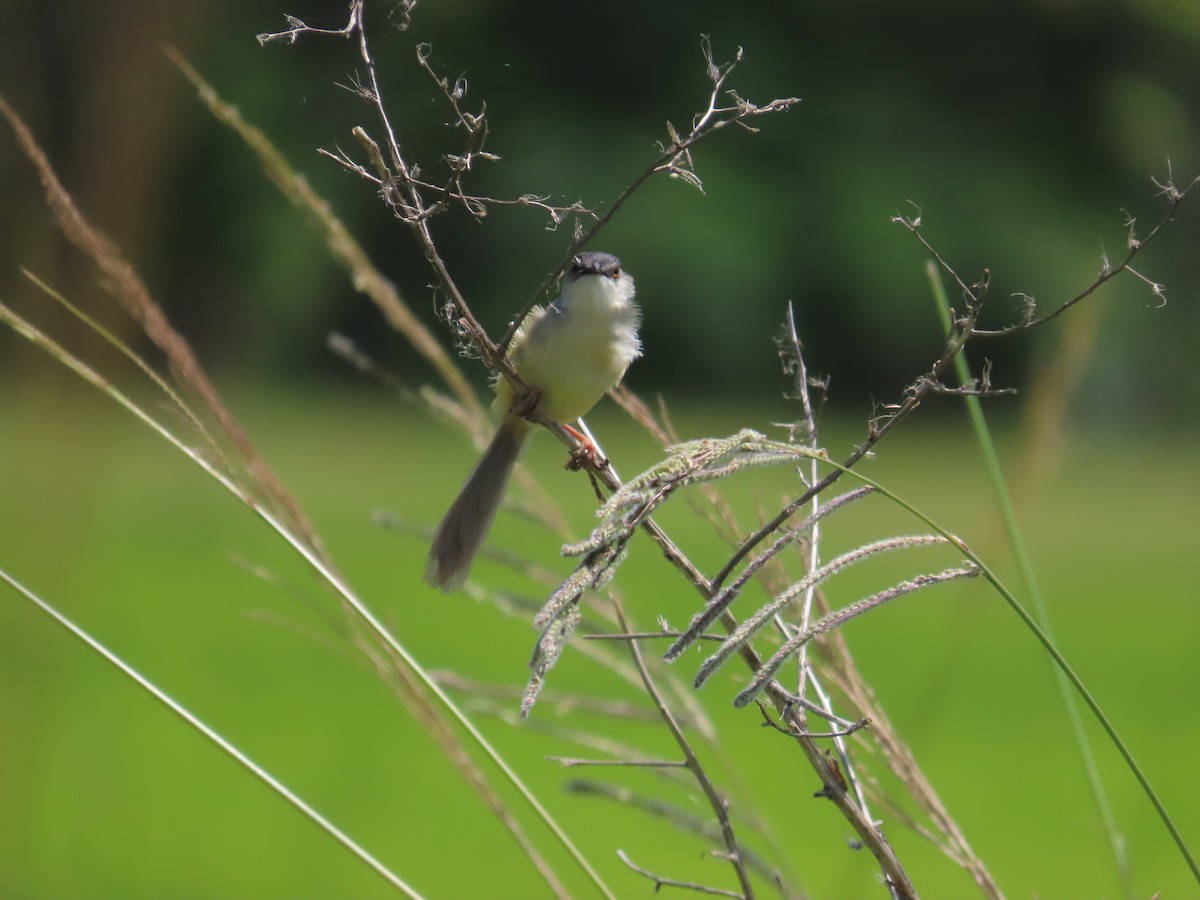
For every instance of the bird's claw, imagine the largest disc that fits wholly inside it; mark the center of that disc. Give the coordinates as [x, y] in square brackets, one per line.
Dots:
[586, 455]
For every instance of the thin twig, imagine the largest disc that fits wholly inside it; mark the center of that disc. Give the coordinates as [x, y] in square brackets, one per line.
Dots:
[852, 728]
[649, 636]
[811, 440]
[661, 882]
[1134, 245]
[347, 251]
[715, 801]
[675, 159]
[562, 702]
[570, 762]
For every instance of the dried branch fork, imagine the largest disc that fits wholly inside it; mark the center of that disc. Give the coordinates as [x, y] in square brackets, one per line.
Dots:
[715, 801]
[674, 159]
[933, 382]
[399, 181]
[973, 294]
[415, 200]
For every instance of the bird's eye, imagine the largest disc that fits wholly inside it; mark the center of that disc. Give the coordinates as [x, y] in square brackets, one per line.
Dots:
[616, 273]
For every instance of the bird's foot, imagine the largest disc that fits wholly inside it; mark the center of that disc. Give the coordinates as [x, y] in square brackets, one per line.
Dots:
[586, 455]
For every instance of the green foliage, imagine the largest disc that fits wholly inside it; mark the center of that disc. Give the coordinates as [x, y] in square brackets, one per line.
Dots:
[1021, 131]
[93, 770]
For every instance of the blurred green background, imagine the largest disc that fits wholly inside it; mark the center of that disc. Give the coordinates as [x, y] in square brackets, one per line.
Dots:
[1022, 131]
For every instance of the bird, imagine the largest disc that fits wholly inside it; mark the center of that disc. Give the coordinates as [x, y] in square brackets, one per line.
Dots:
[569, 355]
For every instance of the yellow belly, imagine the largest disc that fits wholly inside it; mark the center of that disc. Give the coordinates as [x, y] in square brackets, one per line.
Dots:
[574, 359]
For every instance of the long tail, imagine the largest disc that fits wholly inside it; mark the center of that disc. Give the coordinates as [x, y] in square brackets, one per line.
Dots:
[466, 524]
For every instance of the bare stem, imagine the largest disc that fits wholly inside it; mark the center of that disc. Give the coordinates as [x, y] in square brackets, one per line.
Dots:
[675, 159]
[715, 801]
[661, 882]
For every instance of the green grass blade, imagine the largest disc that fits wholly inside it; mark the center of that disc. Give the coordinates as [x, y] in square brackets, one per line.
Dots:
[1020, 550]
[1067, 676]
[241, 758]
